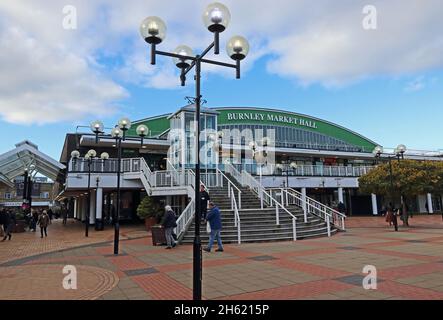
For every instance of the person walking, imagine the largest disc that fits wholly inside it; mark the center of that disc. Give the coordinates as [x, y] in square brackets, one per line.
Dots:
[214, 218]
[3, 222]
[395, 214]
[43, 222]
[10, 222]
[169, 223]
[341, 208]
[64, 214]
[204, 198]
[404, 215]
[50, 215]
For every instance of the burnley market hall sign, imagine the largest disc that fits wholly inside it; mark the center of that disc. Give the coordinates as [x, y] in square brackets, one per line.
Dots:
[270, 118]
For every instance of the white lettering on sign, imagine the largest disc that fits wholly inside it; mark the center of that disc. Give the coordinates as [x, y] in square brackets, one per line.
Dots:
[272, 118]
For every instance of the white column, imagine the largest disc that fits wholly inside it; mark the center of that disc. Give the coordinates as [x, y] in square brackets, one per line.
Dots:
[430, 207]
[92, 208]
[99, 203]
[303, 196]
[75, 208]
[374, 204]
[340, 195]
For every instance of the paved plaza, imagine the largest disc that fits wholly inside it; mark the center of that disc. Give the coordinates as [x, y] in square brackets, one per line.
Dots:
[409, 265]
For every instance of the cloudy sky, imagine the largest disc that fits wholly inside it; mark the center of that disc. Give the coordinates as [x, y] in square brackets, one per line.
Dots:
[312, 57]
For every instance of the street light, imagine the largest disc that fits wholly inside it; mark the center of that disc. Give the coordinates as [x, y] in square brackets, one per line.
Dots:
[118, 133]
[399, 153]
[216, 18]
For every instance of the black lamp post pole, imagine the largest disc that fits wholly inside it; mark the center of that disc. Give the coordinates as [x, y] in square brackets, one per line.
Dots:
[29, 194]
[25, 187]
[197, 248]
[196, 62]
[89, 200]
[117, 218]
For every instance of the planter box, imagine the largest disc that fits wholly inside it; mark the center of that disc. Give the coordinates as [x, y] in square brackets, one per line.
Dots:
[158, 236]
[19, 227]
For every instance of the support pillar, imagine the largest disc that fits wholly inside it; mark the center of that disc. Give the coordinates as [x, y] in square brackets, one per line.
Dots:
[374, 204]
[92, 208]
[429, 201]
[340, 195]
[99, 209]
[303, 195]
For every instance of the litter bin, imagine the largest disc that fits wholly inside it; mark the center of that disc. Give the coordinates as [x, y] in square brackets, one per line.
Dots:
[158, 236]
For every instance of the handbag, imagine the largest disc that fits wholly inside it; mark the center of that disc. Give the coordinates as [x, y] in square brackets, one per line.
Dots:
[208, 227]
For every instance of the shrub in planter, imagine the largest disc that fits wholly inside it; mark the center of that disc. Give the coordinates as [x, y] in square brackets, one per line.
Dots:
[20, 223]
[148, 210]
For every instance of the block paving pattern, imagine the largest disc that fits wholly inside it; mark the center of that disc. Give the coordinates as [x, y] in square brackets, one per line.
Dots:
[409, 265]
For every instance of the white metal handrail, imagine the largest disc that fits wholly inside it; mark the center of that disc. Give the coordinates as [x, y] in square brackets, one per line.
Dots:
[229, 168]
[231, 185]
[311, 206]
[269, 199]
[251, 182]
[236, 216]
[185, 219]
[308, 170]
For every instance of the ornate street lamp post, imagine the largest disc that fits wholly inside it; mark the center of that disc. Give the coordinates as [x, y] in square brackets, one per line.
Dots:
[216, 18]
[399, 153]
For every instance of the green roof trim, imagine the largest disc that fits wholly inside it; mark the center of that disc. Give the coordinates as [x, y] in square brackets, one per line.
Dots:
[157, 126]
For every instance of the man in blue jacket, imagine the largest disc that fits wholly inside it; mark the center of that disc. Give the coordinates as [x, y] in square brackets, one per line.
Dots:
[214, 218]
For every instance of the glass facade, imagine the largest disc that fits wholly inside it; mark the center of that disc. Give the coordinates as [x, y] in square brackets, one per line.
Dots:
[287, 137]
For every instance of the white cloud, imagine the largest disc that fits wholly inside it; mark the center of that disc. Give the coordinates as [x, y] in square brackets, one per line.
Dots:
[416, 85]
[46, 68]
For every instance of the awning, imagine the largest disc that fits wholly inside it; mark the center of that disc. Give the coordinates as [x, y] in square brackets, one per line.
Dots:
[13, 163]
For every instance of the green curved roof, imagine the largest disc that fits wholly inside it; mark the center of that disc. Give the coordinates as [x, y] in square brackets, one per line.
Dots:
[264, 116]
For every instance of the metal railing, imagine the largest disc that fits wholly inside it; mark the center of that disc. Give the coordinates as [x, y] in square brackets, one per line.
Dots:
[248, 180]
[305, 170]
[231, 186]
[236, 216]
[311, 206]
[185, 220]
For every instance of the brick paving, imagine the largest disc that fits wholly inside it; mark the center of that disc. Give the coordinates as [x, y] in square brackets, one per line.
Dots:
[409, 265]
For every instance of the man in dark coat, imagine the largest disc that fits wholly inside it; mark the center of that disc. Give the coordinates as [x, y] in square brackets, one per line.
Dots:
[341, 208]
[10, 223]
[204, 198]
[169, 223]
[214, 219]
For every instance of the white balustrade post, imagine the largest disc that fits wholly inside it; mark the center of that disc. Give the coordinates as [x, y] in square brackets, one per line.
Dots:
[277, 214]
[239, 233]
[294, 229]
[282, 197]
[261, 198]
[303, 199]
[328, 223]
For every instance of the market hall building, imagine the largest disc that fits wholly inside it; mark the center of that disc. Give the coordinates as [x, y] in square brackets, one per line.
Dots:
[317, 158]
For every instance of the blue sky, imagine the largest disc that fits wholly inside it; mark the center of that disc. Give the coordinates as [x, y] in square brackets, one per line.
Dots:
[387, 88]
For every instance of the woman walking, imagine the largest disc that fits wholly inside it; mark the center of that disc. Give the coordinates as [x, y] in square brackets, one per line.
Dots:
[43, 221]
